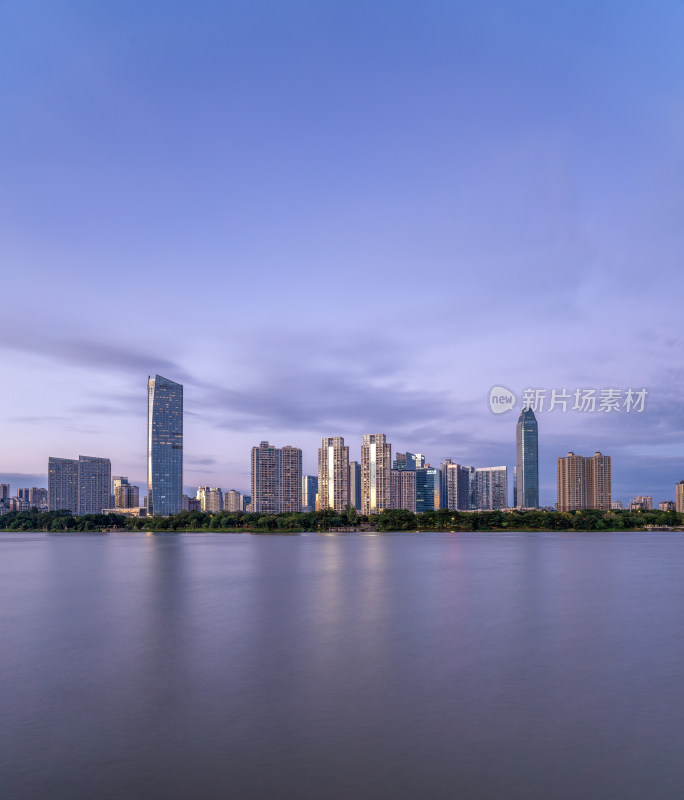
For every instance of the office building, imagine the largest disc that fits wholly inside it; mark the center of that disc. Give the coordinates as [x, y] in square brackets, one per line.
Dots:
[164, 447]
[407, 461]
[403, 488]
[527, 466]
[333, 474]
[584, 482]
[210, 499]
[232, 501]
[490, 488]
[428, 489]
[309, 492]
[376, 467]
[126, 495]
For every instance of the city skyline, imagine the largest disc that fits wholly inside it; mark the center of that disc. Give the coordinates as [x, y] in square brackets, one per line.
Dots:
[326, 171]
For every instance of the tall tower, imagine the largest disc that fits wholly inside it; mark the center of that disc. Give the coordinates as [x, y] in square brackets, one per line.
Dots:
[376, 471]
[164, 447]
[292, 479]
[333, 474]
[527, 462]
[267, 479]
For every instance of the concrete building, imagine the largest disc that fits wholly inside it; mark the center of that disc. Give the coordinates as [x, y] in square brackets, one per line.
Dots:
[164, 446]
[80, 486]
[276, 479]
[679, 497]
[641, 503]
[458, 483]
[333, 474]
[38, 498]
[376, 467]
[4, 491]
[126, 495]
[584, 482]
[490, 488]
[210, 499]
[232, 501]
[403, 487]
[292, 480]
[667, 505]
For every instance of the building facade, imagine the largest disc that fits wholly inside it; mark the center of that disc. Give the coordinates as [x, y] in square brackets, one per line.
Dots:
[404, 489]
[164, 447]
[376, 467]
[81, 486]
[584, 482]
[490, 488]
[457, 486]
[292, 480]
[210, 499]
[333, 474]
[126, 495]
[309, 492]
[276, 479]
[428, 489]
[527, 461]
[232, 501]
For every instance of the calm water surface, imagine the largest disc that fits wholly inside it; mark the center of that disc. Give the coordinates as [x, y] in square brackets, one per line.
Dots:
[349, 666]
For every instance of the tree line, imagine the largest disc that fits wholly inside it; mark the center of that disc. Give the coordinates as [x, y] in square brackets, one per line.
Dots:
[391, 520]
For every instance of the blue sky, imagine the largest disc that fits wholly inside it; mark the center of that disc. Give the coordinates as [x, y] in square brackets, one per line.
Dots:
[340, 218]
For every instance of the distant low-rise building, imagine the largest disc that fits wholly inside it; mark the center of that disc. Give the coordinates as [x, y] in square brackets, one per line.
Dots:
[641, 503]
[666, 505]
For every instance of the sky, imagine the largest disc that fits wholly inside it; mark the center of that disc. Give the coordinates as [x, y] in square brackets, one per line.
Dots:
[331, 219]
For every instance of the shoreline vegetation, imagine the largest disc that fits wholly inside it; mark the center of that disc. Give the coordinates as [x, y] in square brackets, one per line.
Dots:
[345, 521]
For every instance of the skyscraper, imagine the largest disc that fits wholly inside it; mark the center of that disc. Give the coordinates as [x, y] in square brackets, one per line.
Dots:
[376, 466]
[164, 447]
[63, 484]
[584, 482]
[333, 474]
[527, 462]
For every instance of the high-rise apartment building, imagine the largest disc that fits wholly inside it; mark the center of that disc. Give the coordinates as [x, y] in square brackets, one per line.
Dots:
[23, 494]
[94, 484]
[666, 505]
[490, 488]
[276, 479]
[80, 486]
[232, 501]
[126, 495]
[376, 467]
[404, 489]
[527, 461]
[292, 480]
[457, 486]
[584, 482]
[355, 485]
[164, 447]
[210, 499]
[4, 491]
[309, 492]
[333, 474]
[267, 478]
[679, 497]
[38, 497]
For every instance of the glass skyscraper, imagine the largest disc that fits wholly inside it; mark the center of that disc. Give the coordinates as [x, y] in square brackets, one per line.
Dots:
[527, 468]
[164, 447]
